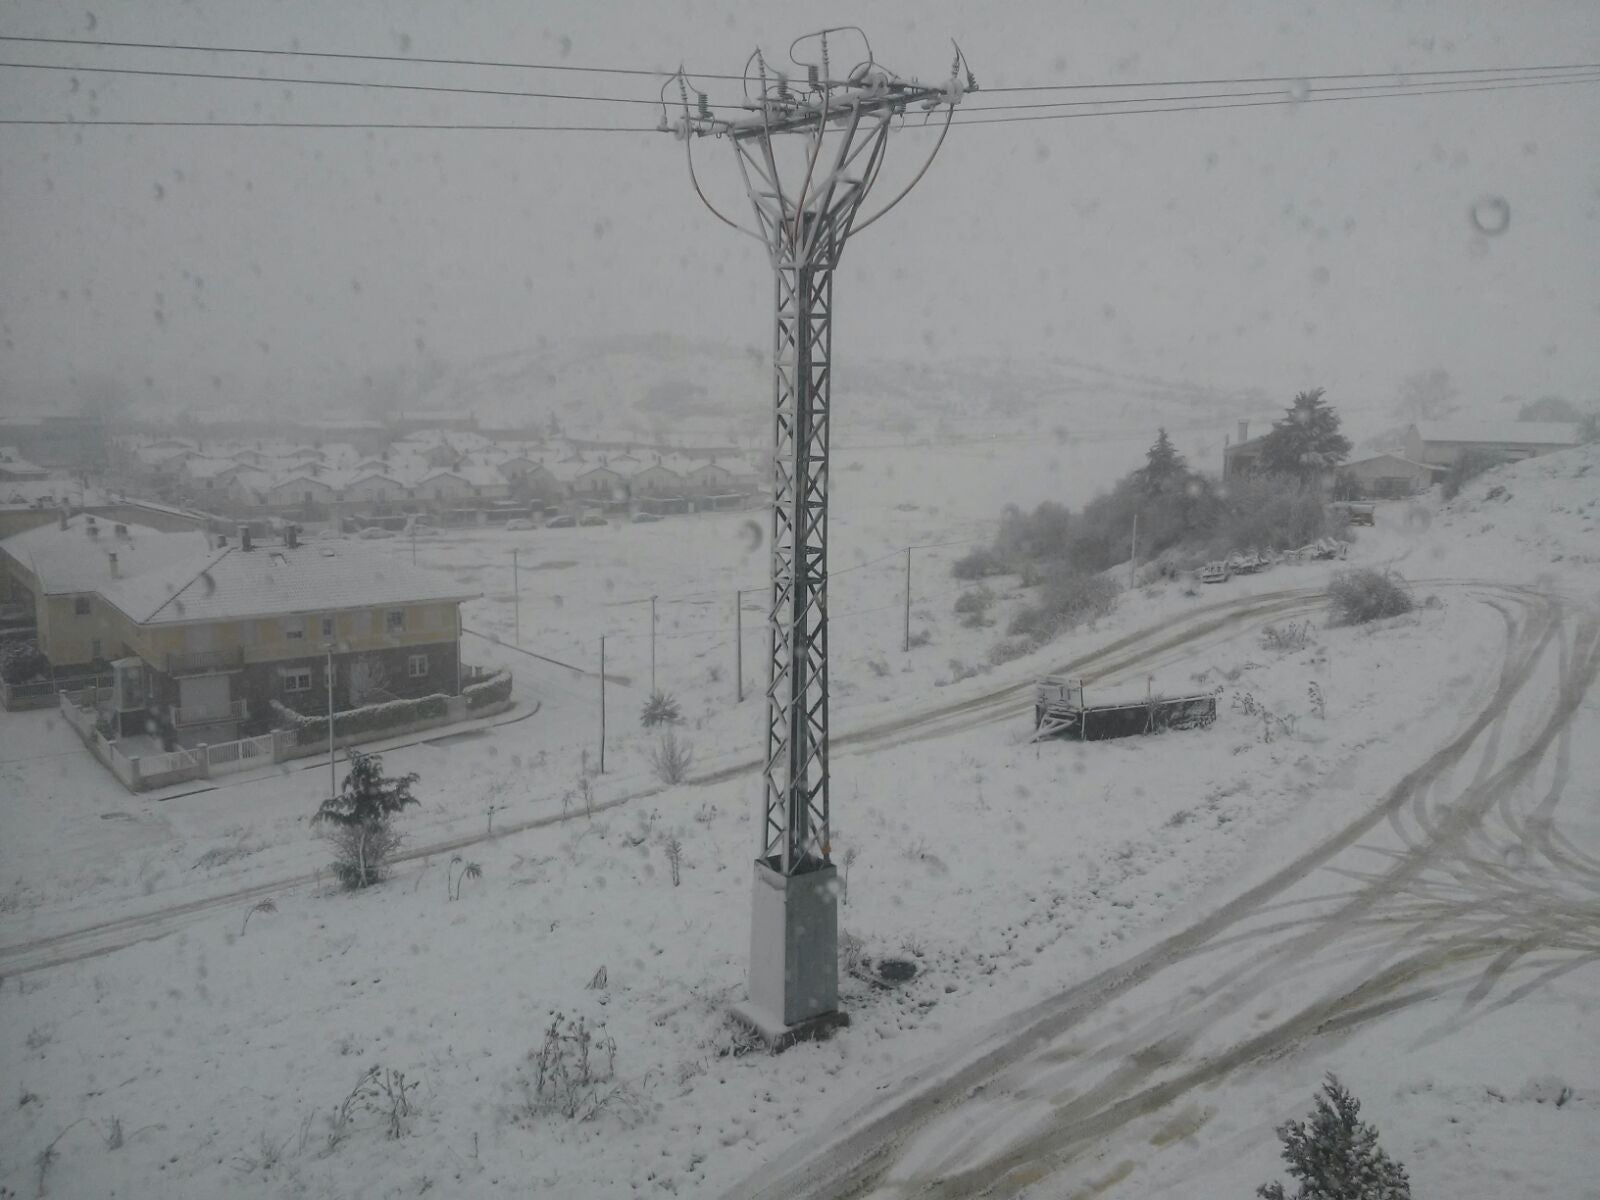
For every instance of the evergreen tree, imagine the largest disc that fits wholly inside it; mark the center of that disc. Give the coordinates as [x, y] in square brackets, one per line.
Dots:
[1307, 441]
[366, 801]
[1164, 468]
[1335, 1155]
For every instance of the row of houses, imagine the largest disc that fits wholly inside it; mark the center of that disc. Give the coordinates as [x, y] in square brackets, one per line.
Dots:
[201, 634]
[418, 474]
[1430, 450]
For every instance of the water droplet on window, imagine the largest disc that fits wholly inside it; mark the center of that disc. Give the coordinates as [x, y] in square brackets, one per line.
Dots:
[1300, 91]
[1491, 215]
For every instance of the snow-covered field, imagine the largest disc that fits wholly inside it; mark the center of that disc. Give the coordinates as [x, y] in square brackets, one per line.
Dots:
[214, 1060]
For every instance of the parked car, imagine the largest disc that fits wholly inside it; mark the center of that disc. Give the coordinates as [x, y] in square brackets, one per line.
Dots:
[592, 519]
[519, 523]
[562, 522]
[1355, 511]
[1215, 572]
[645, 518]
[376, 531]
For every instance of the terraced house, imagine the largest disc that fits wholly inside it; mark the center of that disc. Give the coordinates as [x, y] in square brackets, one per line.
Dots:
[220, 638]
[206, 635]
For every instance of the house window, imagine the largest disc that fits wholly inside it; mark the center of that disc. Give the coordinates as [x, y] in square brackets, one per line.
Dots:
[297, 681]
[327, 627]
[394, 621]
[294, 630]
[94, 650]
[417, 666]
[80, 606]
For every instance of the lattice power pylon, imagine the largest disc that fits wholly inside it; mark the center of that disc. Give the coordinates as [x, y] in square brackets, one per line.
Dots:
[809, 149]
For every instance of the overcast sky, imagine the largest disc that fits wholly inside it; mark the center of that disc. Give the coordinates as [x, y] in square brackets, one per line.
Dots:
[1310, 244]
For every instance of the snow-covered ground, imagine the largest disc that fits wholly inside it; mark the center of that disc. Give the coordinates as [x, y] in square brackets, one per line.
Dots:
[1007, 871]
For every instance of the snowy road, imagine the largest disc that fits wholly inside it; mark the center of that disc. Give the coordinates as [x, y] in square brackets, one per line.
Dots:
[1144, 649]
[1473, 880]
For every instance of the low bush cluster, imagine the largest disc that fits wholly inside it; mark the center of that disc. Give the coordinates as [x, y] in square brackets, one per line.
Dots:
[492, 690]
[22, 662]
[370, 718]
[1067, 598]
[1368, 595]
[973, 607]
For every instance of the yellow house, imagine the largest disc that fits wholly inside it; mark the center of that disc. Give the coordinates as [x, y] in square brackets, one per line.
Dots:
[222, 637]
[60, 570]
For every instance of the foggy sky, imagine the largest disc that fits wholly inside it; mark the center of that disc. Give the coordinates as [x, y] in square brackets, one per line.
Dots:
[1280, 248]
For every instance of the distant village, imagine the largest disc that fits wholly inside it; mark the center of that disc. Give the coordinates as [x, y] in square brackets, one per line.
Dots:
[196, 605]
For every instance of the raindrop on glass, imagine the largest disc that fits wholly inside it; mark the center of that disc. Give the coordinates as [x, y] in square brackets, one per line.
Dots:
[1491, 215]
[1300, 91]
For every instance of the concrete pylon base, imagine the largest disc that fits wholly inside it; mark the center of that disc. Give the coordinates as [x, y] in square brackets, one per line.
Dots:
[794, 956]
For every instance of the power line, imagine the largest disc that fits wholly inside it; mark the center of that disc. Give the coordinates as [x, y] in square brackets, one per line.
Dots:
[388, 58]
[346, 83]
[513, 127]
[445, 126]
[1313, 99]
[1443, 86]
[1403, 77]
[1311, 79]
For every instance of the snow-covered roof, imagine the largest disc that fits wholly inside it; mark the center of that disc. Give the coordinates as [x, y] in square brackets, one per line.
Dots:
[277, 580]
[1503, 433]
[71, 560]
[210, 468]
[1392, 455]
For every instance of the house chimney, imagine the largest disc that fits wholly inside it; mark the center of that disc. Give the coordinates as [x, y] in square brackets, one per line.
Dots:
[1244, 431]
[244, 537]
[112, 555]
[291, 535]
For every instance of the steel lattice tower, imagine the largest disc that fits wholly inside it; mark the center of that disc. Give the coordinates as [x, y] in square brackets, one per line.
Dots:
[804, 215]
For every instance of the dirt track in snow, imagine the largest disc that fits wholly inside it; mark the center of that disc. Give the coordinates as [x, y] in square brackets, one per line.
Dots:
[1214, 621]
[1485, 899]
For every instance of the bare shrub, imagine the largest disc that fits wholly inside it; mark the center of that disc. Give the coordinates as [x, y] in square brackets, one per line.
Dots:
[269, 905]
[920, 638]
[1067, 598]
[671, 758]
[1368, 595]
[973, 607]
[660, 709]
[380, 1090]
[573, 1072]
[1008, 649]
[1286, 638]
[979, 564]
[674, 849]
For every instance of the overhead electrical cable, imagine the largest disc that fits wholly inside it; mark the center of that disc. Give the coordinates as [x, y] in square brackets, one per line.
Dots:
[74, 68]
[1281, 100]
[519, 127]
[1310, 79]
[386, 58]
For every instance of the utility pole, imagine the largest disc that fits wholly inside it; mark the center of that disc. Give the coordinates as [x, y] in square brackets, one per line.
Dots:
[907, 646]
[652, 645]
[413, 541]
[809, 149]
[1133, 554]
[516, 601]
[602, 704]
[333, 774]
[738, 646]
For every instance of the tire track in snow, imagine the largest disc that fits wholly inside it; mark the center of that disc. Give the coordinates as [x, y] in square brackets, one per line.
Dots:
[858, 1160]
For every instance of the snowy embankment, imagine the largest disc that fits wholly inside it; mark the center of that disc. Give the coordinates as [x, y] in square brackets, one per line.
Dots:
[215, 1061]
